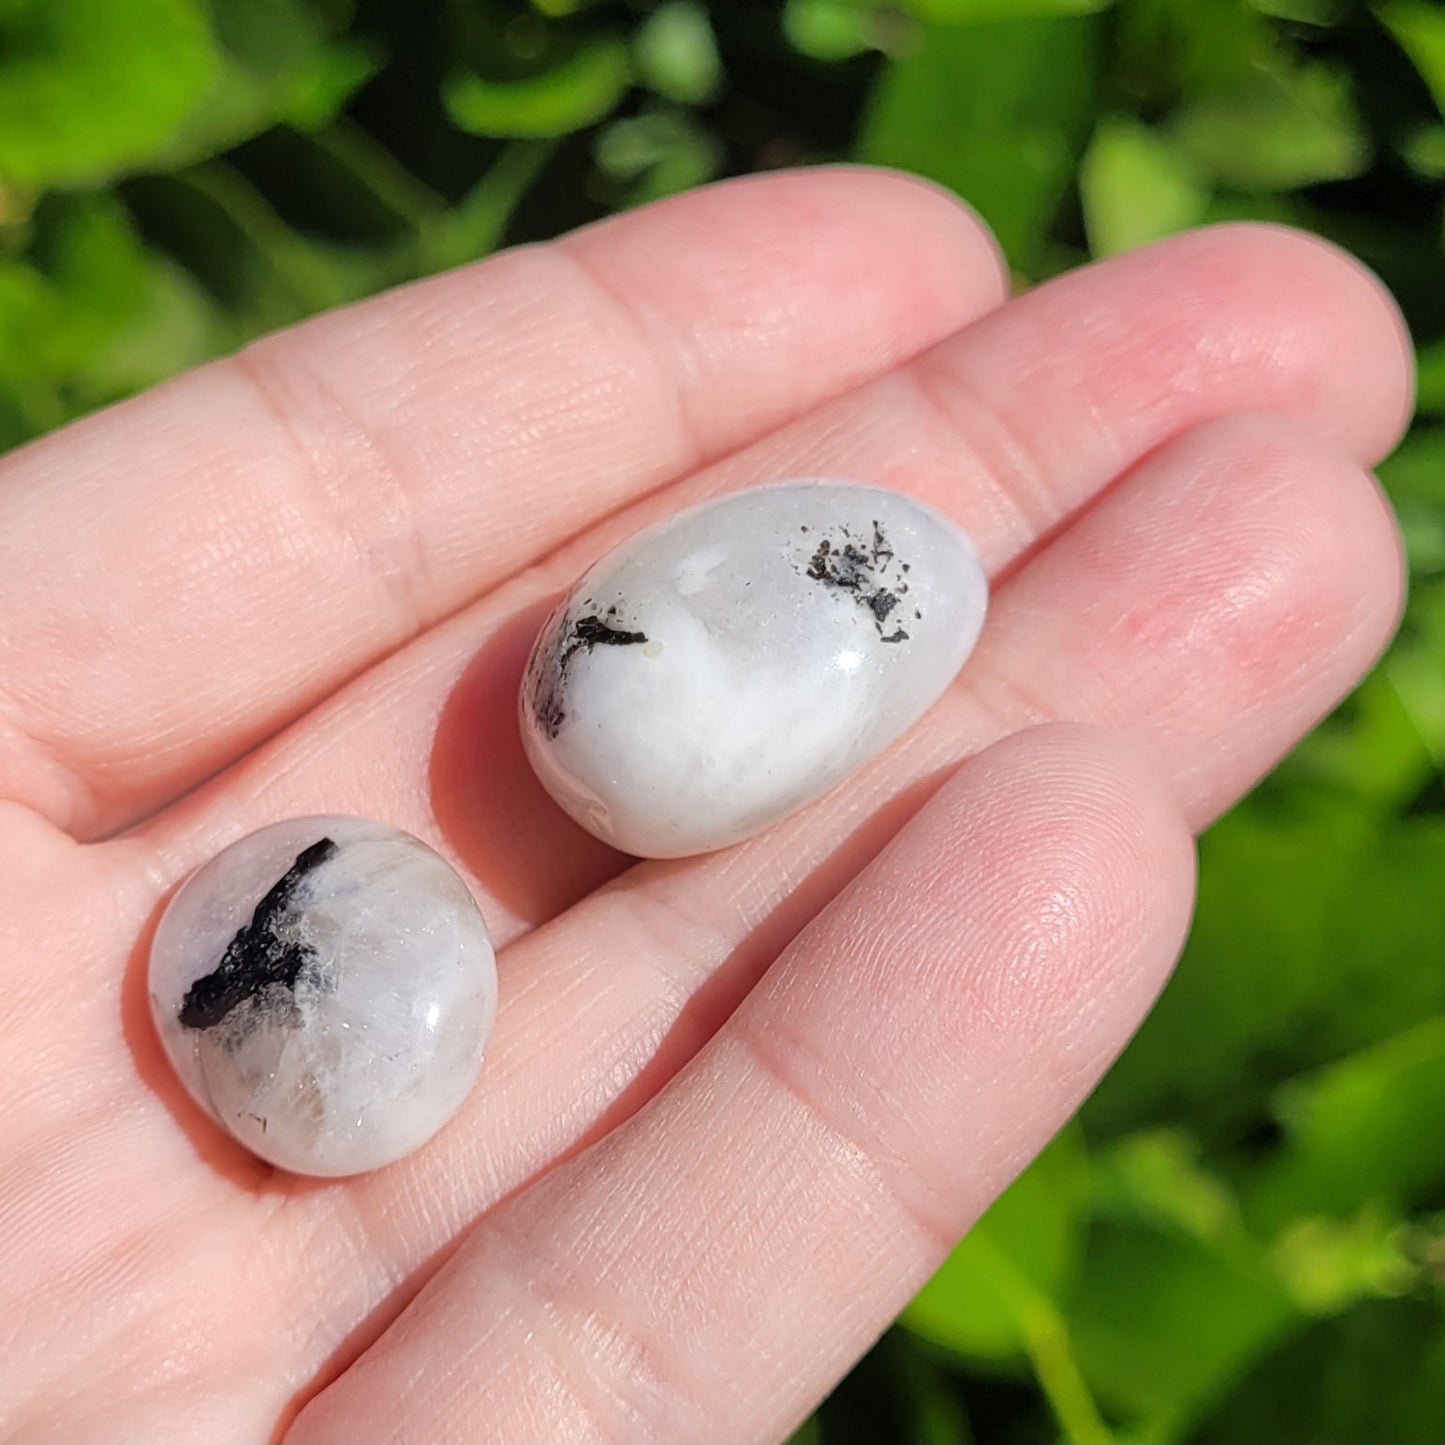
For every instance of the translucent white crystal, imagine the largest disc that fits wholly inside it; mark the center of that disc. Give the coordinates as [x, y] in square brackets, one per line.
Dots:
[719, 670]
[324, 988]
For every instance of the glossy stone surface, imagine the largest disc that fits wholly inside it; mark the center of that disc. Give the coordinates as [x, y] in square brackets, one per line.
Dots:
[718, 671]
[324, 988]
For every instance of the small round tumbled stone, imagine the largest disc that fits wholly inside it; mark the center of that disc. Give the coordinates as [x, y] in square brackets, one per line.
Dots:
[324, 988]
[716, 672]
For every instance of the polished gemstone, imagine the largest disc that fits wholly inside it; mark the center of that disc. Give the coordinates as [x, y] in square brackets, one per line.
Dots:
[324, 988]
[717, 671]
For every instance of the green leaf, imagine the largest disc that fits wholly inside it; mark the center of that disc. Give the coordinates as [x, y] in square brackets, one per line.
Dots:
[1157, 1177]
[90, 89]
[1419, 30]
[1431, 397]
[1377, 1373]
[1305, 946]
[657, 154]
[1424, 151]
[1190, 50]
[96, 264]
[830, 29]
[1164, 1323]
[1379, 750]
[130, 317]
[276, 65]
[29, 365]
[1417, 466]
[1284, 128]
[1304, 12]
[968, 109]
[1363, 1131]
[676, 53]
[974, 12]
[1136, 186]
[579, 92]
[1330, 1264]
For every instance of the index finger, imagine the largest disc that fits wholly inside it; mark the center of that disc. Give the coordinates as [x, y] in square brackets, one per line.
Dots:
[183, 574]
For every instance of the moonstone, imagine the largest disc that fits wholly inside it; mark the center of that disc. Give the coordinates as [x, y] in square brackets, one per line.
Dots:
[717, 671]
[324, 988]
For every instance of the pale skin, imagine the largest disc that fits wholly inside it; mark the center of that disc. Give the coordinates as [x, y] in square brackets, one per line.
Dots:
[737, 1107]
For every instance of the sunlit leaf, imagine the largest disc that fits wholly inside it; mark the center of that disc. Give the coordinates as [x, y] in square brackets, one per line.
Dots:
[830, 29]
[1419, 28]
[1136, 186]
[1362, 1131]
[1158, 1177]
[676, 53]
[656, 154]
[93, 88]
[1329, 1264]
[577, 93]
[1291, 962]
[1282, 128]
[967, 110]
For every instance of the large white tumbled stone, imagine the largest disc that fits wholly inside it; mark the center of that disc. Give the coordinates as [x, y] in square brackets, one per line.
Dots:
[721, 669]
[324, 988]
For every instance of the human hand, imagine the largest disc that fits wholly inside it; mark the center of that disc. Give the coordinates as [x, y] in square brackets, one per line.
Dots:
[305, 580]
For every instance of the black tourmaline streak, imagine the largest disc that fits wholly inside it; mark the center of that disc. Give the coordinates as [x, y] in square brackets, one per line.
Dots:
[549, 682]
[257, 956]
[590, 631]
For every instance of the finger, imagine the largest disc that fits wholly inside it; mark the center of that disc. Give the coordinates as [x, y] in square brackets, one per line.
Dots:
[710, 1269]
[1010, 427]
[1213, 607]
[181, 574]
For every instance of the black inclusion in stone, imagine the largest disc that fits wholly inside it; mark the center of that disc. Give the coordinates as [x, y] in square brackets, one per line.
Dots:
[258, 956]
[549, 681]
[863, 568]
[881, 603]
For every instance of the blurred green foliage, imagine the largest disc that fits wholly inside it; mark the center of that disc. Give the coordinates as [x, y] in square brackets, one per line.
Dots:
[1243, 1238]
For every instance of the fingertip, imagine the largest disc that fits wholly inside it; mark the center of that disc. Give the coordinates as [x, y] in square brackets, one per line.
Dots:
[908, 258]
[1345, 320]
[1092, 777]
[933, 207]
[1093, 837]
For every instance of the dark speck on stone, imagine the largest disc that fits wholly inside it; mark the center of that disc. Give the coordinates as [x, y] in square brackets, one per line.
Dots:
[863, 569]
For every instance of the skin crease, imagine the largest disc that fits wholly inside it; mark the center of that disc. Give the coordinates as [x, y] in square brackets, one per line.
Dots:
[855, 1027]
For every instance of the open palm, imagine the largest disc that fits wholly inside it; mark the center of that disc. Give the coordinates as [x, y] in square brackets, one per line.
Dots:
[305, 579]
